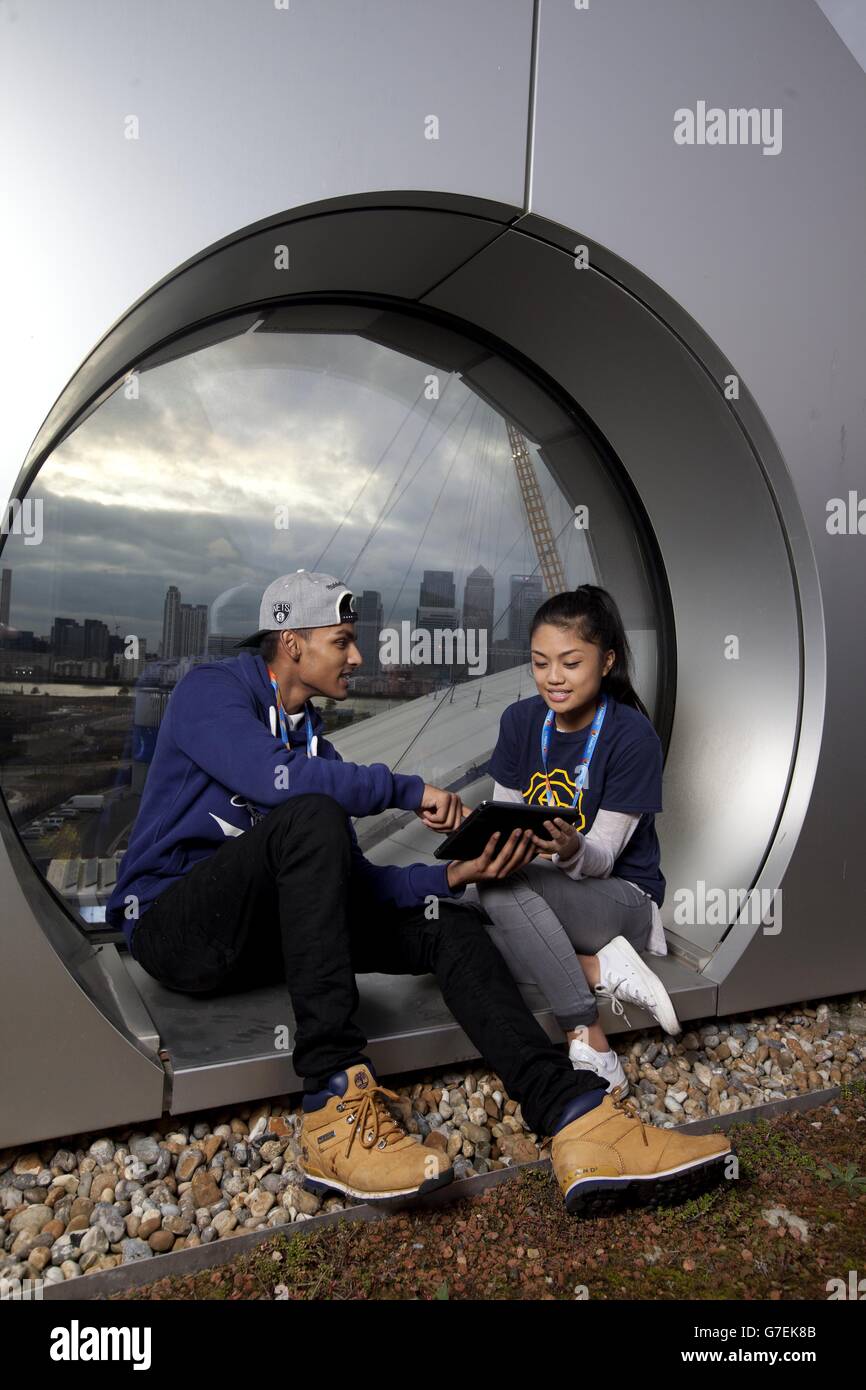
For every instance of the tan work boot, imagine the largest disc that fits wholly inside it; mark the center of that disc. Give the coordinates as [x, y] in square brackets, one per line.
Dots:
[608, 1154]
[350, 1143]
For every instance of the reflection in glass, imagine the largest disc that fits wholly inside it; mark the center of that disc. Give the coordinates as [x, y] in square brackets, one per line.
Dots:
[426, 473]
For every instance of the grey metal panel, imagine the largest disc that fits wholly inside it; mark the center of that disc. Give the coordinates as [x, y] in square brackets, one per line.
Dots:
[765, 253]
[130, 1004]
[686, 453]
[222, 1048]
[71, 1061]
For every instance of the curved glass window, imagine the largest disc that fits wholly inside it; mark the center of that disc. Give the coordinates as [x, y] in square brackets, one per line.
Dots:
[436, 479]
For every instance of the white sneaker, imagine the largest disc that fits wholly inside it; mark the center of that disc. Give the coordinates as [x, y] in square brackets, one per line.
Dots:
[605, 1064]
[625, 976]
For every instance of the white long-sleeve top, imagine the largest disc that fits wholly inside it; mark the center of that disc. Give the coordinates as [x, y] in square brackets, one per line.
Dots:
[597, 853]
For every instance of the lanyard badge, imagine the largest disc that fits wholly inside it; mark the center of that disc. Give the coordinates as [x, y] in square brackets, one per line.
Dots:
[308, 723]
[583, 765]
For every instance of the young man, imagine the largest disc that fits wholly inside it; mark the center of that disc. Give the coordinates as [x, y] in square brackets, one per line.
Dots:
[243, 866]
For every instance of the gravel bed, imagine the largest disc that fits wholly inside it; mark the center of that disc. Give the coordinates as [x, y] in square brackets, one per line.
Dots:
[90, 1203]
[792, 1226]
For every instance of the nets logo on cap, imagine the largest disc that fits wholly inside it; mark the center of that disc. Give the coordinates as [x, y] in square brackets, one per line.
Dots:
[281, 612]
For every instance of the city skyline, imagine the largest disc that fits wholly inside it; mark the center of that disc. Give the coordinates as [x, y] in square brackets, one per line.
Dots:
[186, 633]
[186, 629]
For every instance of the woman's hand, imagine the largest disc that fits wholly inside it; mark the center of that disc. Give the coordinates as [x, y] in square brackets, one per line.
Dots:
[566, 839]
[495, 861]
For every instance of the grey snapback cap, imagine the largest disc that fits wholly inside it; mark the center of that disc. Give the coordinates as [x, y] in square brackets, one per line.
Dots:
[307, 598]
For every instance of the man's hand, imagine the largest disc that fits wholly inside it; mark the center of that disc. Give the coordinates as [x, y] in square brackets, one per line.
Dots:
[440, 810]
[566, 840]
[495, 862]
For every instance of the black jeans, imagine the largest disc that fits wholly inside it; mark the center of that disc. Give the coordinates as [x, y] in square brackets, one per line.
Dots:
[282, 901]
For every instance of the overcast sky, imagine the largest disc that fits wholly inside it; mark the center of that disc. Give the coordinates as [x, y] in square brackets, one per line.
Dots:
[180, 486]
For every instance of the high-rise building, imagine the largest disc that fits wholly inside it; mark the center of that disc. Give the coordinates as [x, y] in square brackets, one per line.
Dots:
[526, 595]
[220, 645]
[371, 616]
[171, 623]
[445, 652]
[437, 589]
[67, 639]
[5, 596]
[478, 600]
[184, 627]
[431, 618]
[96, 637]
[504, 655]
[193, 629]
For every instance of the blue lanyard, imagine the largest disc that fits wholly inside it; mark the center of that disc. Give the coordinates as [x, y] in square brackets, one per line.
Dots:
[308, 723]
[583, 765]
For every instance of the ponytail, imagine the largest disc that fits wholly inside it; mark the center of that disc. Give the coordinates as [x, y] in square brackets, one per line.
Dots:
[594, 614]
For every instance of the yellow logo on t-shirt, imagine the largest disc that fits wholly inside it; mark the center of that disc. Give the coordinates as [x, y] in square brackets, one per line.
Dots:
[562, 787]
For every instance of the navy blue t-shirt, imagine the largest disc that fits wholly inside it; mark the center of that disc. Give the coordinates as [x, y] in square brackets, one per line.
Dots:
[625, 774]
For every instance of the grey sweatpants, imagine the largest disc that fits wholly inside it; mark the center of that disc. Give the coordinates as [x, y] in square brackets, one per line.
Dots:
[540, 918]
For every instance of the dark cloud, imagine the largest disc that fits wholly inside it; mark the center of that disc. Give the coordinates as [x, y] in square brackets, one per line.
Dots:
[180, 486]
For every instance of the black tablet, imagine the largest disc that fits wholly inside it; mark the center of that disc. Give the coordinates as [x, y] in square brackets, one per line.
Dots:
[470, 839]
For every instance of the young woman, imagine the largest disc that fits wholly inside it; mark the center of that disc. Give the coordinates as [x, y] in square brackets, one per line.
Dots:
[573, 921]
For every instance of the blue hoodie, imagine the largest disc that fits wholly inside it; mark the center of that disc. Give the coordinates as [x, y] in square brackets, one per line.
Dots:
[212, 776]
